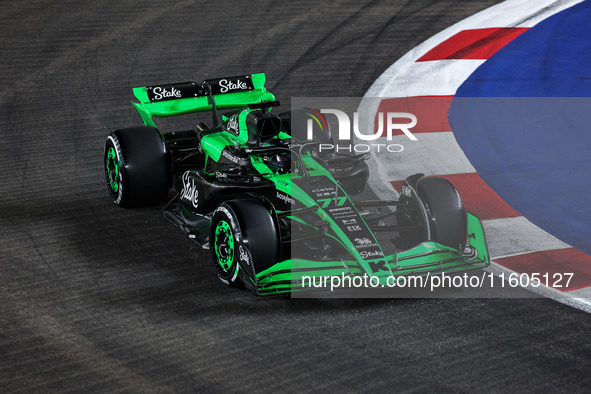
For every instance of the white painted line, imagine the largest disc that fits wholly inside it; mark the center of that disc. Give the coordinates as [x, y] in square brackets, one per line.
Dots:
[435, 78]
[513, 236]
[581, 295]
[568, 298]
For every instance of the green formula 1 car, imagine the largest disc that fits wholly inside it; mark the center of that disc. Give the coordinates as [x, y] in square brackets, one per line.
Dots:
[269, 204]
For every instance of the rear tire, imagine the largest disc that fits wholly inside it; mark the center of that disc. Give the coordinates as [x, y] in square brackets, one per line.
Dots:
[136, 167]
[446, 213]
[243, 233]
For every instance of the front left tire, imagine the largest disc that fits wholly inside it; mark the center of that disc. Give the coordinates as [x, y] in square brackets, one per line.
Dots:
[446, 214]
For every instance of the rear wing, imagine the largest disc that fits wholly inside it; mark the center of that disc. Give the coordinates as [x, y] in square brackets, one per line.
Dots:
[189, 97]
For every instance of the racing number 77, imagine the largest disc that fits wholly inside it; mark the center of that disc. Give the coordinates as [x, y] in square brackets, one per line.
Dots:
[326, 201]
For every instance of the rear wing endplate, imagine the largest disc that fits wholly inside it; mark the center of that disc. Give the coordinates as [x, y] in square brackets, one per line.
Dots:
[189, 97]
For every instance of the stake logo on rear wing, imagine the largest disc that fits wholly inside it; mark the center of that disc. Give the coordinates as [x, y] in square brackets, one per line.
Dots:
[242, 83]
[210, 95]
[175, 91]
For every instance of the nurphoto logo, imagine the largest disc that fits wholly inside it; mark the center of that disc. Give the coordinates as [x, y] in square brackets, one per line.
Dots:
[393, 121]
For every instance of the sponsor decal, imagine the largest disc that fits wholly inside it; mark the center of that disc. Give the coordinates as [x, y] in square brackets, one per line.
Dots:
[345, 215]
[340, 209]
[190, 192]
[349, 221]
[160, 93]
[220, 175]
[231, 157]
[342, 213]
[323, 191]
[242, 83]
[406, 191]
[367, 254]
[237, 84]
[365, 243]
[233, 124]
[285, 198]
[243, 255]
[354, 228]
[173, 91]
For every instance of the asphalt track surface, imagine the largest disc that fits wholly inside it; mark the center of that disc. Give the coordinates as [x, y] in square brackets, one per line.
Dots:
[96, 298]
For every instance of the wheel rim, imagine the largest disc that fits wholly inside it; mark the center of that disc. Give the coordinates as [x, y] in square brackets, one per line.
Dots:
[112, 168]
[224, 245]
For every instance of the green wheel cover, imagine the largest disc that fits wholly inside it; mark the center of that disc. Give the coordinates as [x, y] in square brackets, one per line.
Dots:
[113, 169]
[224, 245]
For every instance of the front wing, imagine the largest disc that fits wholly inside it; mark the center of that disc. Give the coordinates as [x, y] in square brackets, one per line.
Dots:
[426, 258]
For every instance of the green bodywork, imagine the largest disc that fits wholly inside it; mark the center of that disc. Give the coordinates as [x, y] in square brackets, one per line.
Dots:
[212, 144]
[162, 109]
[287, 275]
[427, 257]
